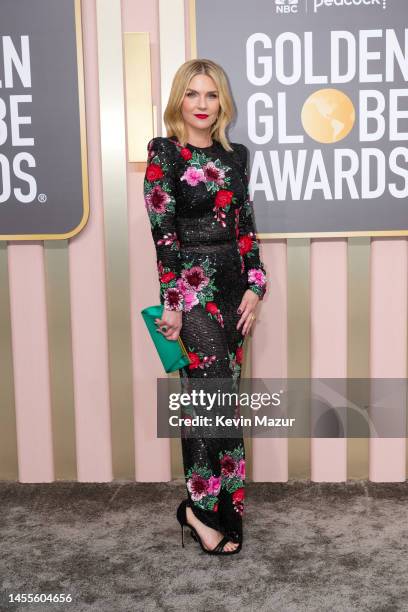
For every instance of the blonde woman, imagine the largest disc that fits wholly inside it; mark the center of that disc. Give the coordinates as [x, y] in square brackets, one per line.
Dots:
[211, 279]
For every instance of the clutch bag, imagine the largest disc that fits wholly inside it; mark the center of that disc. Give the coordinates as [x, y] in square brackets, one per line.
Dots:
[173, 353]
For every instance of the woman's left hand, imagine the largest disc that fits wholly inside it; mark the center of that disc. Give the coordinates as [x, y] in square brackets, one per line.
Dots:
[247, 308]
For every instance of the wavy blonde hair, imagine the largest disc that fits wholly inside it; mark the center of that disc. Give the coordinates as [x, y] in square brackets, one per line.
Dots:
[173, 118]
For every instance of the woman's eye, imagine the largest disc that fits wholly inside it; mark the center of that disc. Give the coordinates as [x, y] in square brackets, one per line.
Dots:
[192, 93]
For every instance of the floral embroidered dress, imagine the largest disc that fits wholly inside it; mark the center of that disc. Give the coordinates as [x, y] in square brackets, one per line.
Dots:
[201, 221]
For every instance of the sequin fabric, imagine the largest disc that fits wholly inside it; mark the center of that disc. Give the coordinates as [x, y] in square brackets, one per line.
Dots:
[202, 225]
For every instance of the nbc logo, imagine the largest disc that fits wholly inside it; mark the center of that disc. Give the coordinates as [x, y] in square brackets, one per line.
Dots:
[286, 6]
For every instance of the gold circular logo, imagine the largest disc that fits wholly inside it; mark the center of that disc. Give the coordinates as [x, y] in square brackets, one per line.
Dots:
[328, 115]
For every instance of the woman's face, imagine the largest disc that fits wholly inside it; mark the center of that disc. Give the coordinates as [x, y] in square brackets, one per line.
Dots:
[201, 104]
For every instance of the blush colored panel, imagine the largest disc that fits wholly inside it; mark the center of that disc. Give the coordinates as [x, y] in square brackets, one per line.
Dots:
[88, 294]
[28, 312]
[328, 312]
[269, 357]
[388, 344]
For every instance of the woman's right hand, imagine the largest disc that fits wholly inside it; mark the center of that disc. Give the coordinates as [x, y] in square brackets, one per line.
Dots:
[172, 321]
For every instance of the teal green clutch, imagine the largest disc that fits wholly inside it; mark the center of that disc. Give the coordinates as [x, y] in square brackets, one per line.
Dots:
[173, 353]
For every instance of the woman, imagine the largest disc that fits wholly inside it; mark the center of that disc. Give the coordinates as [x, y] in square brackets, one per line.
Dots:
[211, 279]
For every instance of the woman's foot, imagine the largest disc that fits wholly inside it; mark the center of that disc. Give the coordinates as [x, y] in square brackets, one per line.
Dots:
[209, 536]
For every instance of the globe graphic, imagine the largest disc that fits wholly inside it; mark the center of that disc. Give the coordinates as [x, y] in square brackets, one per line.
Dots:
[328, 115]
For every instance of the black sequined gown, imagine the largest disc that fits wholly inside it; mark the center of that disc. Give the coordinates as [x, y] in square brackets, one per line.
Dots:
[201, 219]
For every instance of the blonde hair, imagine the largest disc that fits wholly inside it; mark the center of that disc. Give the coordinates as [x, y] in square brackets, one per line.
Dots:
[173, 119]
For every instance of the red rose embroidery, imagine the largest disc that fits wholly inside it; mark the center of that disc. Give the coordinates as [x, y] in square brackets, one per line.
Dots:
[195, 360]
[186, 153]
[238, 495]
[167, 277]
[245, 244]
[223, 198]
[214, 311]
[154, 172]
[239, 354]
[211, 307]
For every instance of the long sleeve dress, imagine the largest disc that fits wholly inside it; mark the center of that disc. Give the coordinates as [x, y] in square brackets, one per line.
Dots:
[201, 220]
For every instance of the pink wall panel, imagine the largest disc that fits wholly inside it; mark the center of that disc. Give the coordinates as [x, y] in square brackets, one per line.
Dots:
[328, 312]
[269, 357]
[88, 293]
[152, 454]
[28, 312]
[388, 343]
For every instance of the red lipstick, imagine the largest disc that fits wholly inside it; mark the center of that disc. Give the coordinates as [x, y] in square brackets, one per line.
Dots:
[201, 116]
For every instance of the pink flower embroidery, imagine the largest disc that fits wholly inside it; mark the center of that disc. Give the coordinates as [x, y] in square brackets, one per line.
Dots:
[214, 485]
[207, 361]
[193, 176]
[190, 297]
[212, 173]
[198, 487]
[190, 300]
[255, 275]
[157, 199]
[173, 299]
[228, 465]
[169, 239]
[199, 360]
[195, 278]
[241, 469]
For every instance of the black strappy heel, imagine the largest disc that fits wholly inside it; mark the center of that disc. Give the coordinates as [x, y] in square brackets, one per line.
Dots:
[218, 550]
[193, 535]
